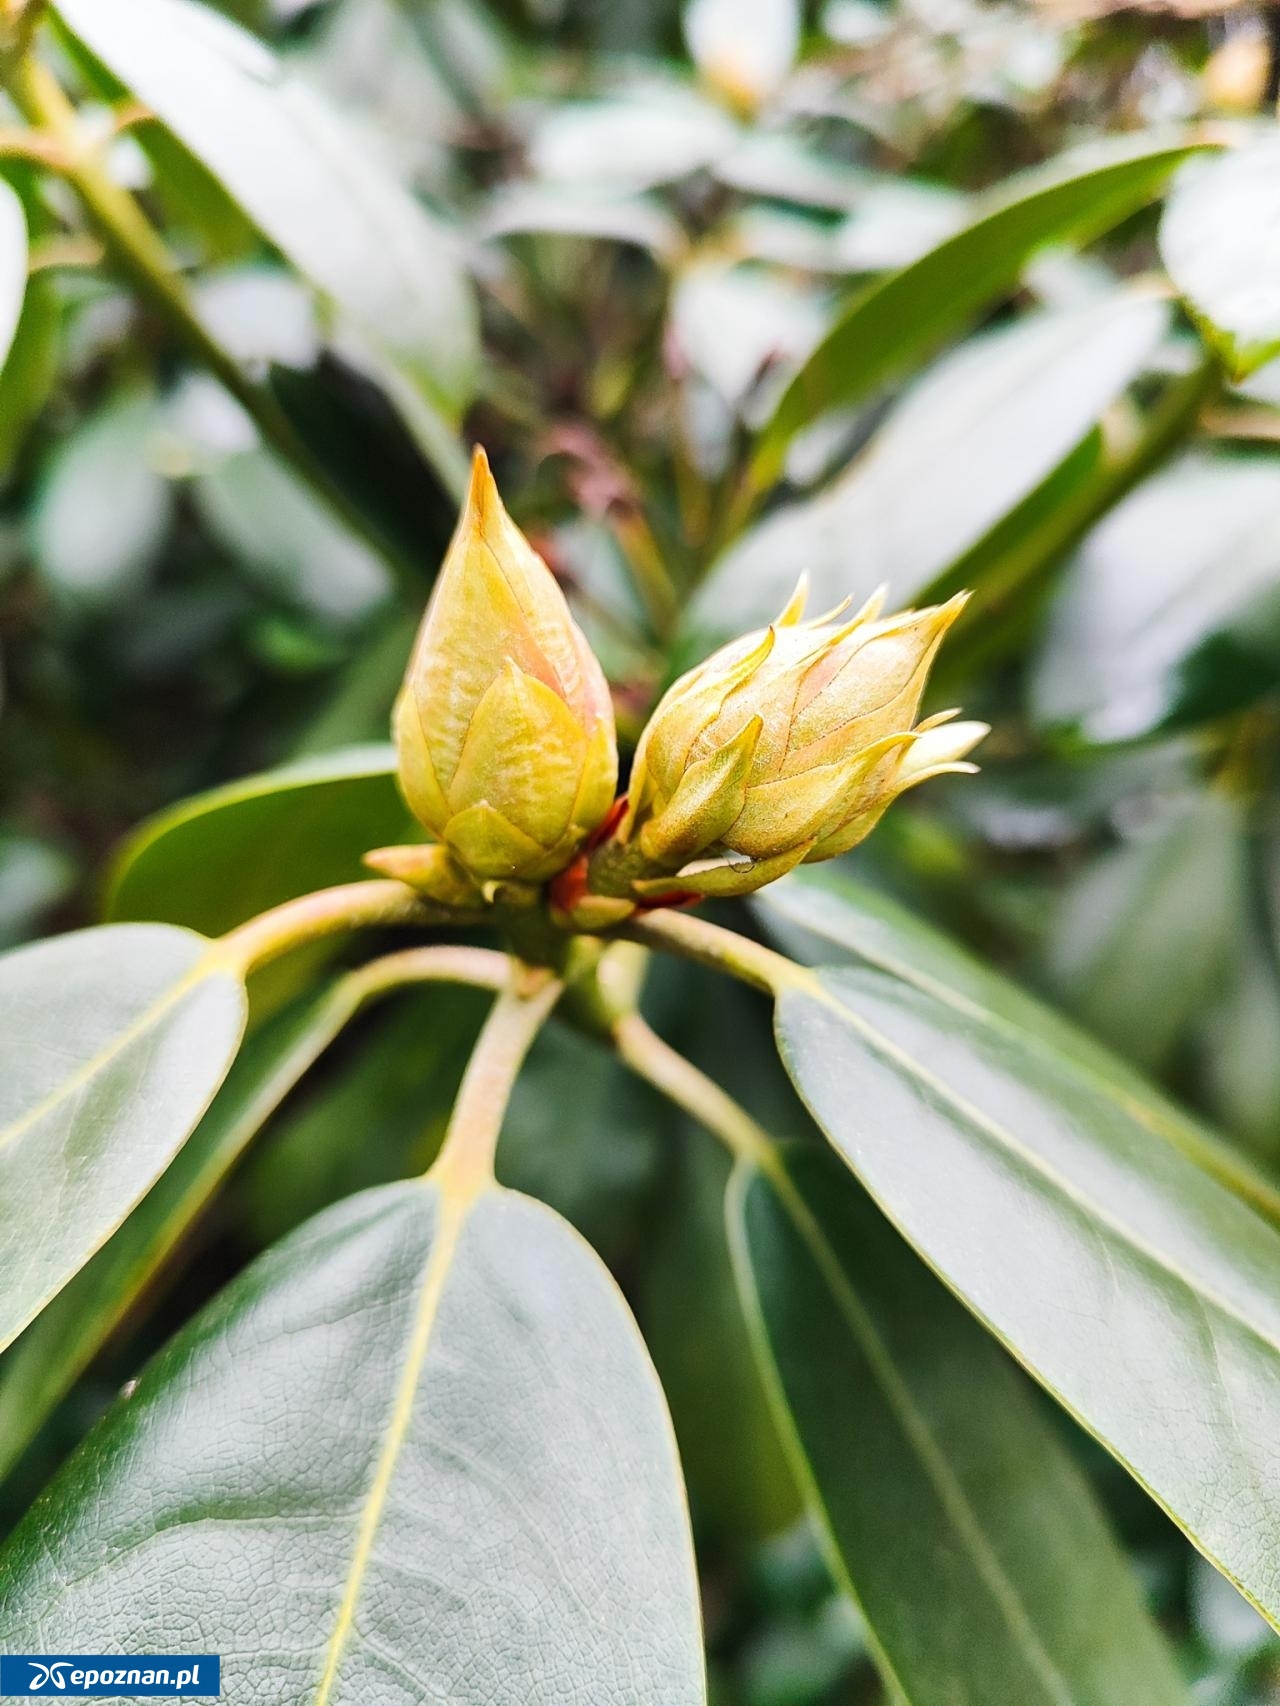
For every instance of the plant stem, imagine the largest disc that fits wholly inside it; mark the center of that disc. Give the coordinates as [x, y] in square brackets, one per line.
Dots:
[482, 968]
[654, 1060]
[142, 257]
[465, 1162]
[328, 912]
[711, 945]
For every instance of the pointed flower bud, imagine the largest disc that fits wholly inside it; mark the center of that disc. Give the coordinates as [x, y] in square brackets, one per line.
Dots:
[504, 726]
[785, 746]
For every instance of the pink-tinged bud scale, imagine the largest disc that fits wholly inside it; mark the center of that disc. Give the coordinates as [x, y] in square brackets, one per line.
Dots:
[784, 747]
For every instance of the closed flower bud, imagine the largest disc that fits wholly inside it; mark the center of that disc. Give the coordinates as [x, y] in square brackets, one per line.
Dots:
[785, 746]
[504, 726]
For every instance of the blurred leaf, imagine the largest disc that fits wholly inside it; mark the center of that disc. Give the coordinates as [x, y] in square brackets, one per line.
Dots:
[112, 1043]
[221, 857]
[977, 435]
[574, 210]
[1170, 611]
[398, 1084]
[742, 327]
[301, 174]
[568, 1092]
[1218, 239]
[34, 876]
[635, 140]
[277, 527]
[905, 317]
[13, 266]
[739, 1480]
[1143, 933]
[31, 367]
[474, 1356]
[824, 918]
[1136, 1288]
[103, 506]
[950, 1510]
[743, 48]
[40, 1368]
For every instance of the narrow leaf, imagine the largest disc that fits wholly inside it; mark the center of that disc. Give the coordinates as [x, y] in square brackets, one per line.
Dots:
[416, 1451]
[13, 266]
[950, 1509]
[112, 1043]
[903, 318]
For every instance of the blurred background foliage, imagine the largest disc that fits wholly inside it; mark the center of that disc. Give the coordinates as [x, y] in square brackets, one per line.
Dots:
[926, 292]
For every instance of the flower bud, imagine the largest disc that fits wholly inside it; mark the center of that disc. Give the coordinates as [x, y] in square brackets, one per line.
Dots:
[504, 726]
[784, 746]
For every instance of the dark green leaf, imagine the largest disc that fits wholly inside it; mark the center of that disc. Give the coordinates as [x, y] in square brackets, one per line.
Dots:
[905, 317]
[222, 857]
[1141, 1292]
[416, 1449]
[112, 1043]
[950, 1509]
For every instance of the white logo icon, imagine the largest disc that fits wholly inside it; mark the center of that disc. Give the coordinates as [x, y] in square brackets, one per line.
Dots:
[51, 1673]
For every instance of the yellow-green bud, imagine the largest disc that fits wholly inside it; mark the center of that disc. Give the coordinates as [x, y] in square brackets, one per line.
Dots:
[504, 726]
[784, 746]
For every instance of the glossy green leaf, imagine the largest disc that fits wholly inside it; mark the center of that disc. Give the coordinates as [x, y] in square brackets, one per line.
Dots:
[1127, 953]
[1218, 240]
[825, 918]
[416, 1449]
[222, 857]
[950, 1509]
[979, 434]
[905, 317]
[112, 1042]
[1170, 611]
[13, 266]
[1137, 1289]
[302, 175]
[39, 1369]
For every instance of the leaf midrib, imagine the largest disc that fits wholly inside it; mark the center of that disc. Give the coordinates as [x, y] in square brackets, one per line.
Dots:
[937, 1470]
[453, 1213]
[206, 966]
[1035, 1163]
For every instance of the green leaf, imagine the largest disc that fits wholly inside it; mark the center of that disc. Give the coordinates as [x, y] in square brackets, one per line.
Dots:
[979, 434]
[1218, 242]
[215, 860]
[1136, 1288]
[1170, 611]
[902, 319]
[429, 1433]
[1144, 933]
[950, 1510]
[301, 174]
[112, 1042]
[825, 918]
[58, 1345]
[13, 266]
[103, 507]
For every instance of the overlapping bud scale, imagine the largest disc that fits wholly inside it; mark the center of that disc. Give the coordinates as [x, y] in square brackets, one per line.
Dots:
[504, 725]
[784, 746]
